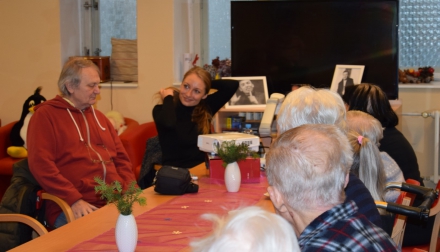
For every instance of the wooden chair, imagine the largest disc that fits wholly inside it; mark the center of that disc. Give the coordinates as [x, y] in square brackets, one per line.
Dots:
[22, 218]
[405, 199]
[434, 245]
[62, 204]
[20, 233]
[22, 176]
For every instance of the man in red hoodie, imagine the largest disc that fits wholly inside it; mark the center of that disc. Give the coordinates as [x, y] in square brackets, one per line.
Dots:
[70, 143]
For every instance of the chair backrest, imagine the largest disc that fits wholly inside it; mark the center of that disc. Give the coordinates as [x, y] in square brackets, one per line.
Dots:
[435, 209]
[434, 235]
[406, 199]
[411, 196]
[62, 204]
[135, 142]
[433, 246]
[400, 221]
[131, 124]
[5, 140]
[21, 169]
[24, 196]
[22, 218]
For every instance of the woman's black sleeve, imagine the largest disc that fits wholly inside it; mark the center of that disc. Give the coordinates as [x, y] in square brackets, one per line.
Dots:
[225, 90]
[165, 114]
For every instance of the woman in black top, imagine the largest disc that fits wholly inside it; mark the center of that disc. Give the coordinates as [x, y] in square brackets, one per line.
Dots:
[372, 100]
[186, 113]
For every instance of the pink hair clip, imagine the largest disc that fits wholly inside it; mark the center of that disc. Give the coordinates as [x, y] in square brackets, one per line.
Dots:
[360, 139]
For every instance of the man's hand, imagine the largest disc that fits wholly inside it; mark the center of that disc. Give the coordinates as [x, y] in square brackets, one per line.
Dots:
[234, 99]
[82, 208]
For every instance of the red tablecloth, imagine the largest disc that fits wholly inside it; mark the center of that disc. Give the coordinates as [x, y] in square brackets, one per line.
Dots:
[173, 225]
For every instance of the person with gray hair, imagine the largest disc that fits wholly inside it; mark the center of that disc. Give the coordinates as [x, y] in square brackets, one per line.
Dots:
[70, 143]
[72, 74]
[307, 170]
[307, 105]
[248, 229]
[373, 167]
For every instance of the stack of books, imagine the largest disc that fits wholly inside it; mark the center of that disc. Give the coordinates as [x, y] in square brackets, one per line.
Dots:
[234, 124]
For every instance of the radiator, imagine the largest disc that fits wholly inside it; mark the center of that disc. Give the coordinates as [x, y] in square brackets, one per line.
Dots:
[435, 114]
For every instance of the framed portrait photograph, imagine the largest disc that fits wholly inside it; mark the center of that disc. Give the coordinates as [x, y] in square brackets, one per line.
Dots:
[346, 75]
[251, 92]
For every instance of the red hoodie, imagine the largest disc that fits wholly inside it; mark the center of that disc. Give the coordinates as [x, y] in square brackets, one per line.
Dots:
[65, 146]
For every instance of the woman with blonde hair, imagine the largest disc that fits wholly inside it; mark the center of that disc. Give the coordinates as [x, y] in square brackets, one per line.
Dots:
[373, 167]
[185, 113]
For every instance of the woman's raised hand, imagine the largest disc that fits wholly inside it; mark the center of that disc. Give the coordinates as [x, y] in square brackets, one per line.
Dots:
[166, 91]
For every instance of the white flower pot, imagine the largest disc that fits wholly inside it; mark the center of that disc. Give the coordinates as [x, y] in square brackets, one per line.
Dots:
[232, 177]
[126, 233]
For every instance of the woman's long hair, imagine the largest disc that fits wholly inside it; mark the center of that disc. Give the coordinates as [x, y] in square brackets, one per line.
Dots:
[364, 134]
[201, 114]
[367, 164]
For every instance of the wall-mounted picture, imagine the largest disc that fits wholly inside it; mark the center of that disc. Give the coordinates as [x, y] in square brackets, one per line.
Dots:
[252, 92]
[346, 75]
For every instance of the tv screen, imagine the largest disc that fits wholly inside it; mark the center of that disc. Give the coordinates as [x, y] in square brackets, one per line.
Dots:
[301, 42]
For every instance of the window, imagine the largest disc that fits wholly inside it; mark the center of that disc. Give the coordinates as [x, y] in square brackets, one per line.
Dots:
[93, 23]
[419, 37]
[117, 19]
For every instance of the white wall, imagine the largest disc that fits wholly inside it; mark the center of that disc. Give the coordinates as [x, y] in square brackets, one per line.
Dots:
[31, 55]
[418, 130]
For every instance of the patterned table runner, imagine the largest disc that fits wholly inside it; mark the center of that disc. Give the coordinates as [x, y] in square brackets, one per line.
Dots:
[173, 225]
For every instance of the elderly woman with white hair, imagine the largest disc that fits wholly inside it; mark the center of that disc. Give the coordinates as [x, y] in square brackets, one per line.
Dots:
[248, 229]
[307, 170]
[307, 105]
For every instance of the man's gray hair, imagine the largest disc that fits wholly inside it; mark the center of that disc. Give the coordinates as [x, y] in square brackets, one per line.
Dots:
[71, 74]
[308, 165]
[307, 105]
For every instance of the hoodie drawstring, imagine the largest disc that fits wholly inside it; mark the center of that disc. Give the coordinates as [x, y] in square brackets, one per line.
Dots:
[97, 119]
[76, 125]
[104, 168]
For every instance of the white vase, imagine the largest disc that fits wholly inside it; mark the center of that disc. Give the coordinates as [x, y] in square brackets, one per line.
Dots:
[126, 233]
[232, 177]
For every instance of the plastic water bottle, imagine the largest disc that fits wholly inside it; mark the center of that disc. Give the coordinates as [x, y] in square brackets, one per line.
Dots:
[248, 129]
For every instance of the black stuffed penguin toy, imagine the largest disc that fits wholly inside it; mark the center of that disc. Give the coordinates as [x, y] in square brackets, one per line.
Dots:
[19, 130]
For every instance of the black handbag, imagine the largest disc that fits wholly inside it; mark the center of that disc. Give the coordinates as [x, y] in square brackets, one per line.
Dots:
[172, 180]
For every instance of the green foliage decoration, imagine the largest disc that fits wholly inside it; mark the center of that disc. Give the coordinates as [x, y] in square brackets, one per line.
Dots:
[123, 200]
[231, 152]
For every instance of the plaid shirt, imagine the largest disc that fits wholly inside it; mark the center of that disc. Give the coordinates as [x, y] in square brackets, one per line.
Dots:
[342, 228]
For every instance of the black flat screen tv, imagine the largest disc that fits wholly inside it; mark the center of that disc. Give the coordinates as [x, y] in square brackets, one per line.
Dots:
[301, 42]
